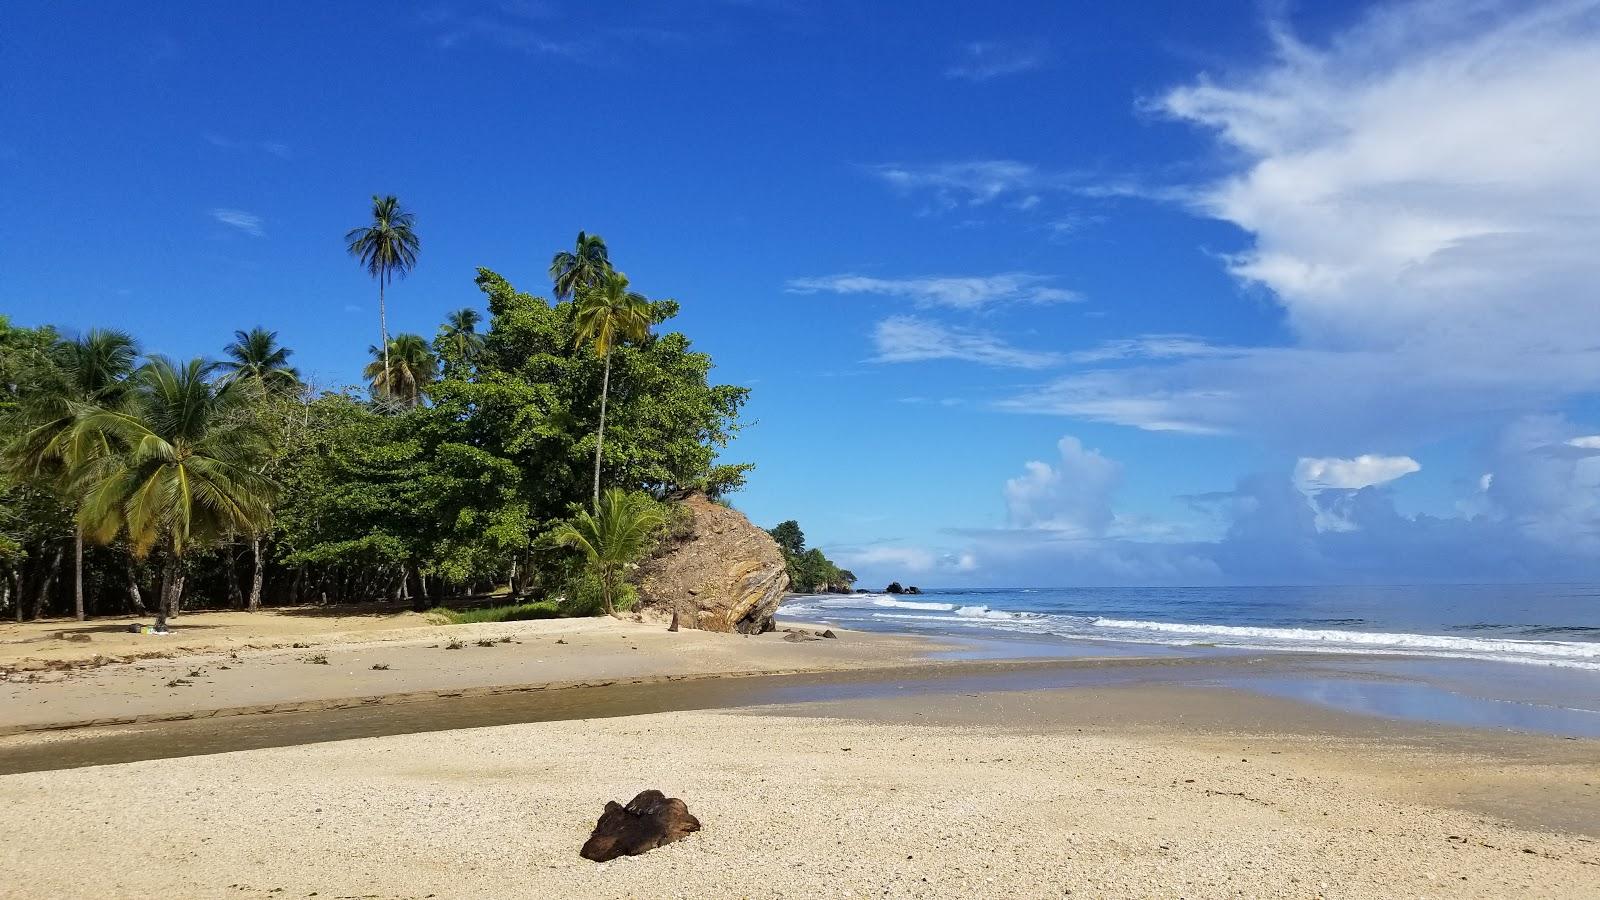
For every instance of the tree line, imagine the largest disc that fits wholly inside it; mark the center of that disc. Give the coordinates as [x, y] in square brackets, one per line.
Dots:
[540, 451]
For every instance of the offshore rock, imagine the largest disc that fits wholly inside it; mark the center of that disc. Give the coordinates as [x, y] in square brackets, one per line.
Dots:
[717, 573]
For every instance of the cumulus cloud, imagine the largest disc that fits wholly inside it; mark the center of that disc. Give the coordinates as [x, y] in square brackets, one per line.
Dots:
[987, 60]
[1418, 193]
[909, 339]
[955, 292]
[1071, 496]
[249, 223]
[1312, 475]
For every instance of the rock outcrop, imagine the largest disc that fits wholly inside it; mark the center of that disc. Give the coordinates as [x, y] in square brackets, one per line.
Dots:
[724, 574]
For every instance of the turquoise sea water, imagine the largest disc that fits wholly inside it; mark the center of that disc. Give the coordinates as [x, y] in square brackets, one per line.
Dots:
[1550, 625]
[1501, 656]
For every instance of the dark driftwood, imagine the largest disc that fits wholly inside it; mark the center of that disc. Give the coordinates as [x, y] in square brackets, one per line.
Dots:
[648, 821]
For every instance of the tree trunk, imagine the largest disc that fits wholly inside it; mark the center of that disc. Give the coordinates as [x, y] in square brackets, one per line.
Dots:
[231, 571]
[600, 439]
[49, 581]
[135, 599]
[77, 584]
[255, 574]
[16, 590]
[171, 589]
[383, 331]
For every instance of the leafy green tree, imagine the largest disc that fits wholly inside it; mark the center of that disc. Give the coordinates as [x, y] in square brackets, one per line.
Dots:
[401, 373]
[790, 538]
[459, 342]
[387, 246]
[184, 468]
[51, 449]
[609, 313]
[622, 529]
[809, 570]
[257, 354]
[586, 265]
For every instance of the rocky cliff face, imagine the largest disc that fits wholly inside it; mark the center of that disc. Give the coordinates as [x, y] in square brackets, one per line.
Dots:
[726, 575]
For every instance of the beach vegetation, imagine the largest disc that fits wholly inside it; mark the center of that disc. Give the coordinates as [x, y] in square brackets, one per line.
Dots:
[445, 476]
[810, 570]
[623, 527]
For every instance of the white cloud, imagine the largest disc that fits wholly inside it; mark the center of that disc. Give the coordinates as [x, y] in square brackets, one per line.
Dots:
[1072, 497]
[1313, 474]
[955, 292]
[986, 60]
[910, 339]
[249, 223]
[1151, 346]
[912, 560]
[1419, 195]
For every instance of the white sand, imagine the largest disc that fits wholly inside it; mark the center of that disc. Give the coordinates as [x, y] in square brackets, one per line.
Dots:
[793, 807]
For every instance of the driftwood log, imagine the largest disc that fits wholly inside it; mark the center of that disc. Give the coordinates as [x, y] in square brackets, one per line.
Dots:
[648, 821]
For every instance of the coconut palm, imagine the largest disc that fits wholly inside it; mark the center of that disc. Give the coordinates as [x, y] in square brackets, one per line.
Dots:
[459, 335]
[91, 369]
[584, 266]
[400, 374]
[257, 354]
[607, 314]
[184, 471]
[621, 529]
[386, 247]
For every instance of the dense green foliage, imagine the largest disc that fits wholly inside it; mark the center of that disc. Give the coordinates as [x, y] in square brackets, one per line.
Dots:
[455, 474]
[809, 570]
[621, 529]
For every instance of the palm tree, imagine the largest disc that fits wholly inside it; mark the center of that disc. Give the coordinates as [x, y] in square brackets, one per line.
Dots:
[585, 266]
[184, 471]
[621, 529]
[387, 247]
[401, 373]
[460, 336]
[257, 354]
[609, 313]
[91, 369]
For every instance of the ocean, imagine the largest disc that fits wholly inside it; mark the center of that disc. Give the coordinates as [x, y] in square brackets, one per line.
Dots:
[1546, 625]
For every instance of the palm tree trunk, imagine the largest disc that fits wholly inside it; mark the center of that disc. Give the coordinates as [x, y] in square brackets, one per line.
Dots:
[77, 584]
[383, 332]
[171, 588]
[135, 599]
[231, 571]
[255, 574]
[600, 439]
[49, 581]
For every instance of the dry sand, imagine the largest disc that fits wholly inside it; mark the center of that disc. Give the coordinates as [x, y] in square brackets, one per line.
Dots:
[240, 661]
[794, 806]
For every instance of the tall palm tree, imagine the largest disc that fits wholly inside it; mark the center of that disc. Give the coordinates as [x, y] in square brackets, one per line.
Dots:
[460, 334]
[91, 369]
[386, 247]
[584, 266]
[607, 314]
[184, 471]
[621, 529]
[401, 373]
[257, 354]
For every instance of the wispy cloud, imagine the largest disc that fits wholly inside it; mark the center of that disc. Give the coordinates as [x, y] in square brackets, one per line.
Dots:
[1314, 474]
[272, 148]
[955, 292]
[1151, 346]
[986, 60]
[1018, 186]
[249, 223]
[910, 339]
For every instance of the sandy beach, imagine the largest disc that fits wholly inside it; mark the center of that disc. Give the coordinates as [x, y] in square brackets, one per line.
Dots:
[882, 772]
[807, 805]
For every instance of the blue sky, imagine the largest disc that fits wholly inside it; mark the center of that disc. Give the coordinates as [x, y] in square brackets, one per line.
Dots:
[1027, 293]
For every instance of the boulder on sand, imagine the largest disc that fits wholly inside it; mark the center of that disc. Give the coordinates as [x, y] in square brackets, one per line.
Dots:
[648, 821]
[721, 574]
